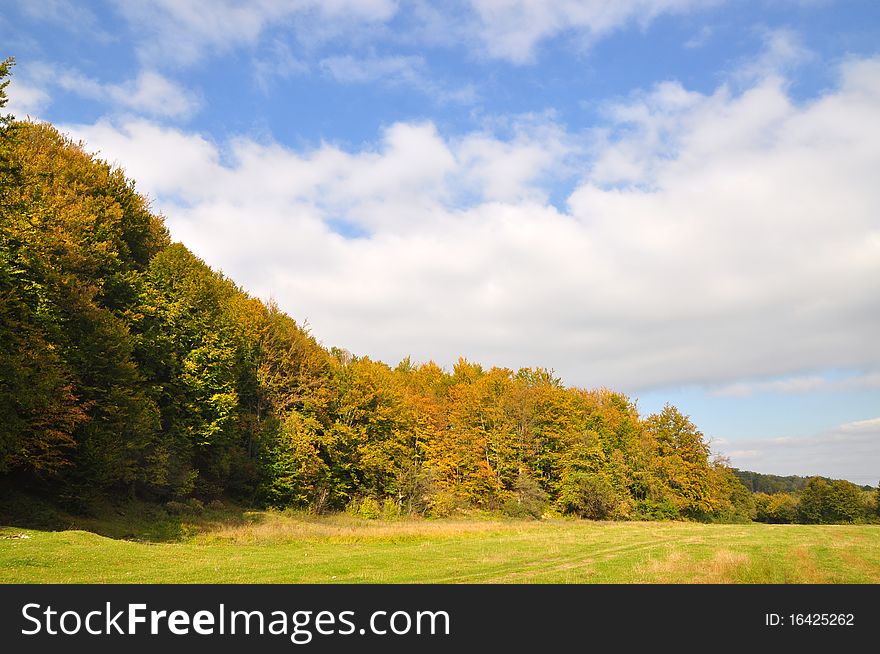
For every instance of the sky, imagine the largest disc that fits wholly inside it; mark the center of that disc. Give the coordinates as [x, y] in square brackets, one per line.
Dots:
[677, 199]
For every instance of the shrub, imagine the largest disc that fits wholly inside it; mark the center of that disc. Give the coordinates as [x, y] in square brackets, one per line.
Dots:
[415, 485]
[656, 510]
[588, 495]
[779, 508]
[528, 500]
[390, 509]
[444, 503]
[369, 509]
[176, 508]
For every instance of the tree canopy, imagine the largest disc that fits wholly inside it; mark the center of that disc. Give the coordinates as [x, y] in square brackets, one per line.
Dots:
[128, 366]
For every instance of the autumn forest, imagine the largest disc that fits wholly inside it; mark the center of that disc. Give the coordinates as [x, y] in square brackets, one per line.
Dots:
[130, 368]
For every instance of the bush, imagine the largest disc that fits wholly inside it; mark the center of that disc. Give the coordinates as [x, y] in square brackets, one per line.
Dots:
[528, 500]
[191, 506]
[656, 510]
[176, 508]
[877, 503]
[588, 495]
[779, 508]
[390, 509]
[444, 503]
[366, 508]
[416, 487]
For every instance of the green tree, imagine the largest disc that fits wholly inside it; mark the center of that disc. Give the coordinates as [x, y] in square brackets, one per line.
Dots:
[877, 500]
[192, 349]
[732, 500]
[826, 501]
[295, 472]
[128, 365]
[5, 72]
[39, 412]
[682, 461]
[528, 500]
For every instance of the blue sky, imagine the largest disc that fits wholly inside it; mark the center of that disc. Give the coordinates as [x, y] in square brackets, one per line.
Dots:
[675, 198]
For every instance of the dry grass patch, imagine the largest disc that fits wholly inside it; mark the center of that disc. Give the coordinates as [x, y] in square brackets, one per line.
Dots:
[271, 527]
[678, 566]
[808, 569]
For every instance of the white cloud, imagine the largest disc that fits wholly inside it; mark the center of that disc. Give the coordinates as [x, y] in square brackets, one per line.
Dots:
[24, 99]
[351, 69]
[799, 384]
[279, 63]
[410, 71]
[511, 29]
[848, 451]
[184, 31]
[783, 51]
[162, 161]
[701, 38]
[712, 238]
[149, 94]
[71, 15]
[870, 427]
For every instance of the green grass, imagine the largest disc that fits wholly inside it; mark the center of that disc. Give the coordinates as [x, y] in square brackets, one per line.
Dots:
[270, 547]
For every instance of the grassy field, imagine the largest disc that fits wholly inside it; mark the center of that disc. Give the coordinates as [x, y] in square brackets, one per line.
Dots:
[266, 547]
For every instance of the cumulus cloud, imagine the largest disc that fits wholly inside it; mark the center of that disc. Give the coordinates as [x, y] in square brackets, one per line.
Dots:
[25, 99]
[709, 238]
[150, 93]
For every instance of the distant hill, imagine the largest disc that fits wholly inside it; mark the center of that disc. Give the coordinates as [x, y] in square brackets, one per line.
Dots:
[760, 483]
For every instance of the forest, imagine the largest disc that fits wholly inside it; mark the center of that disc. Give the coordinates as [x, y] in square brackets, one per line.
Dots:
[130, 369]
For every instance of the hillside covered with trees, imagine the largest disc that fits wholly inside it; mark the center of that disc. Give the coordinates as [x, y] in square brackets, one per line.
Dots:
[129, 368]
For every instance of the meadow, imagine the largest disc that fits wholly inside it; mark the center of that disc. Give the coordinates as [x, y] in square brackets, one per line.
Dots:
[275, 547]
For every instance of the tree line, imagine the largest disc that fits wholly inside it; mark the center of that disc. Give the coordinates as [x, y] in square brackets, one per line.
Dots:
[128, 367]
[819, 501]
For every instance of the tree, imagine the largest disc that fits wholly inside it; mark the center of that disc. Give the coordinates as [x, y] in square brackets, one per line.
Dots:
[778, 508]
[191, 347]
[682, 460]
[39, 412]
[826, 501]
[5, 72]
[877, 500]
[733, 501]
[129, 367]
[294, 470]
[528, 500]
